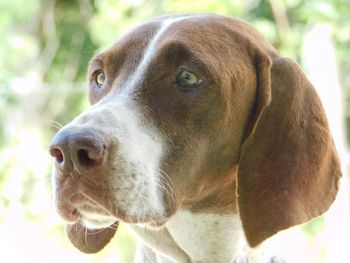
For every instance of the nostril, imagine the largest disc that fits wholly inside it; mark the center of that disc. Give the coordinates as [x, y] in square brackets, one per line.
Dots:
[78, 150]
[57, 154]
[84, 159]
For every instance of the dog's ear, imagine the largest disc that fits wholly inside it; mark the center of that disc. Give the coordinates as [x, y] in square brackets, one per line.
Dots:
[288, 168]
[88, 240]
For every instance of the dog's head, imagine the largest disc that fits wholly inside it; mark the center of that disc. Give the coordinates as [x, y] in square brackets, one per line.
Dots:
[185, 109]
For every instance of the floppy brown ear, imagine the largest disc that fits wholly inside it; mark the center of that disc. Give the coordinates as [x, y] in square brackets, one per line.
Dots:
[88, 240]
[288, 169]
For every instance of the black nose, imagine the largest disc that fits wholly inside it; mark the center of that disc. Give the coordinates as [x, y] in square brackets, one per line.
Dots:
[77, 149]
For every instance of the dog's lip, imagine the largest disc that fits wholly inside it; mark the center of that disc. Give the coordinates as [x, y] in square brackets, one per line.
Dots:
[100, 223]
[90, 207]
[68, 212]
[84, 200]
[106, 205]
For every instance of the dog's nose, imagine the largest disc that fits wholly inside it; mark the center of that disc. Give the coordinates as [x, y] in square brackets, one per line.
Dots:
[78, 150]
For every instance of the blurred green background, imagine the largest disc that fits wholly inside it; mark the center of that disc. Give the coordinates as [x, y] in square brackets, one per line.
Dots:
[44, 51]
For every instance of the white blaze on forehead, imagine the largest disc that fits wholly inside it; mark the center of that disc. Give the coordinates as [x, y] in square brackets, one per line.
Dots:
[135, 165]
[149, 53]
[140, 145]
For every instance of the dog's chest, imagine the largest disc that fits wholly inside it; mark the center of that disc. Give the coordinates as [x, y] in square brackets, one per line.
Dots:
[206, 237]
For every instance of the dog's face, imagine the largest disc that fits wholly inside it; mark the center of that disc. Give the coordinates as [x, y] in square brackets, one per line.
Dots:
[164, 105]
[172, 103]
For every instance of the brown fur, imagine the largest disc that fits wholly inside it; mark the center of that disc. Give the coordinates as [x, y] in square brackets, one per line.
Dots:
[253, 134]
[289, 169]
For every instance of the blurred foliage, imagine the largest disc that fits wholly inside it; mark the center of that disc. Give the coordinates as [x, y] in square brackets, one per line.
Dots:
[45, 49]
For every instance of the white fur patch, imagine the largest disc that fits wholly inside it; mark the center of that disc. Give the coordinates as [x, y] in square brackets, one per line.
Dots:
[148, 54]
[198, 238]
[135, 168]
[140, 146]
[96, 221]
[207, 237]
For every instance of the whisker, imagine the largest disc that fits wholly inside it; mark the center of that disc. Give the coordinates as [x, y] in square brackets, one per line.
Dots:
[144, 207]
[85, 234]
[111, 227]
[96, 203]
[56, 124]
[93, 233]
[111, 206]
[166, 184]
[97, 232]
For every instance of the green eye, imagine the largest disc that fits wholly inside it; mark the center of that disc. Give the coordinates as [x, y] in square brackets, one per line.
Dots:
[187, 79]
[100, 79]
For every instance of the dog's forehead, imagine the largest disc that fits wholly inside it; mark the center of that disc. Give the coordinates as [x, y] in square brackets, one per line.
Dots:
[192, 29]
[173, 23]
[198, 33]
[186, 28]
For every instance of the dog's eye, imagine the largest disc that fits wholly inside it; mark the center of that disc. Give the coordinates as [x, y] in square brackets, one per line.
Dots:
[187, 79]
[100, 79]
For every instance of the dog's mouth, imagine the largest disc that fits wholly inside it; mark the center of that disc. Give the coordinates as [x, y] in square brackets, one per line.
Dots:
[92, 214]
[97, 207]
[91, 225]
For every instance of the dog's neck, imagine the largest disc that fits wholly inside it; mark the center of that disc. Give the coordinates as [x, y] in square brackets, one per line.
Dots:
[206, 237]
[196, 237]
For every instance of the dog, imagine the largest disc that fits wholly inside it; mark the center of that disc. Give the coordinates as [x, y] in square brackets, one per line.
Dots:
[199, 135]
